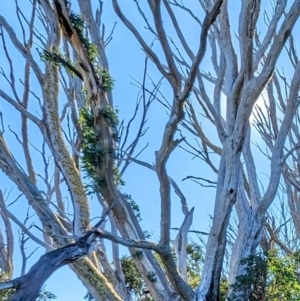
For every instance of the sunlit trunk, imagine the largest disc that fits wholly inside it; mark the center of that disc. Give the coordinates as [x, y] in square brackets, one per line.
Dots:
[228, 178]
[245, 245]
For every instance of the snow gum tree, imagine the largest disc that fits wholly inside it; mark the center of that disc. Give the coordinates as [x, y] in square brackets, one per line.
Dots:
[65, 110]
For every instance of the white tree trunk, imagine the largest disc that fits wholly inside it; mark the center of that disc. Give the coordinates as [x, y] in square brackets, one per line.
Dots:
[245, 245]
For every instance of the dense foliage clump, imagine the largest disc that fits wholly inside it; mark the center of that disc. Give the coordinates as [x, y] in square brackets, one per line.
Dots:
[270, 277]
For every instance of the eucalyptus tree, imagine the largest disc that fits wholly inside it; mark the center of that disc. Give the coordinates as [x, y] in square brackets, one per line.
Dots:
[71, 109]
[239, 79]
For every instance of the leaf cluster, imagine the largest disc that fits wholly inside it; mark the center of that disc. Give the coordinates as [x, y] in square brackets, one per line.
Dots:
[5, 295]
[134, 206]
[269, 277]
[78, 24]
[195, 257]
[50, 57]
[152, 276]
[137, 286]
[110, 114]
[108, 82]
[92, 152]
[133, 280]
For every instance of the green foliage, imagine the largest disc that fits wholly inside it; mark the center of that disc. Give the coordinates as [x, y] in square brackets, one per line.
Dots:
[58, 59]
[152, 276]
[107, 81]
[283, 283]
[254, 280]
[224, 287]
[133, 279]
[92, 50]
[134, 206]
[148, 234]
[110, 114]
[269, 277]
[78, 25]
[135, 283]
[50, 57]
[92, 149]
[92, 153]
[138, 255]
[118, 178]
[195, 257]
[5, 295]
[45, 296]
[88, 297]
